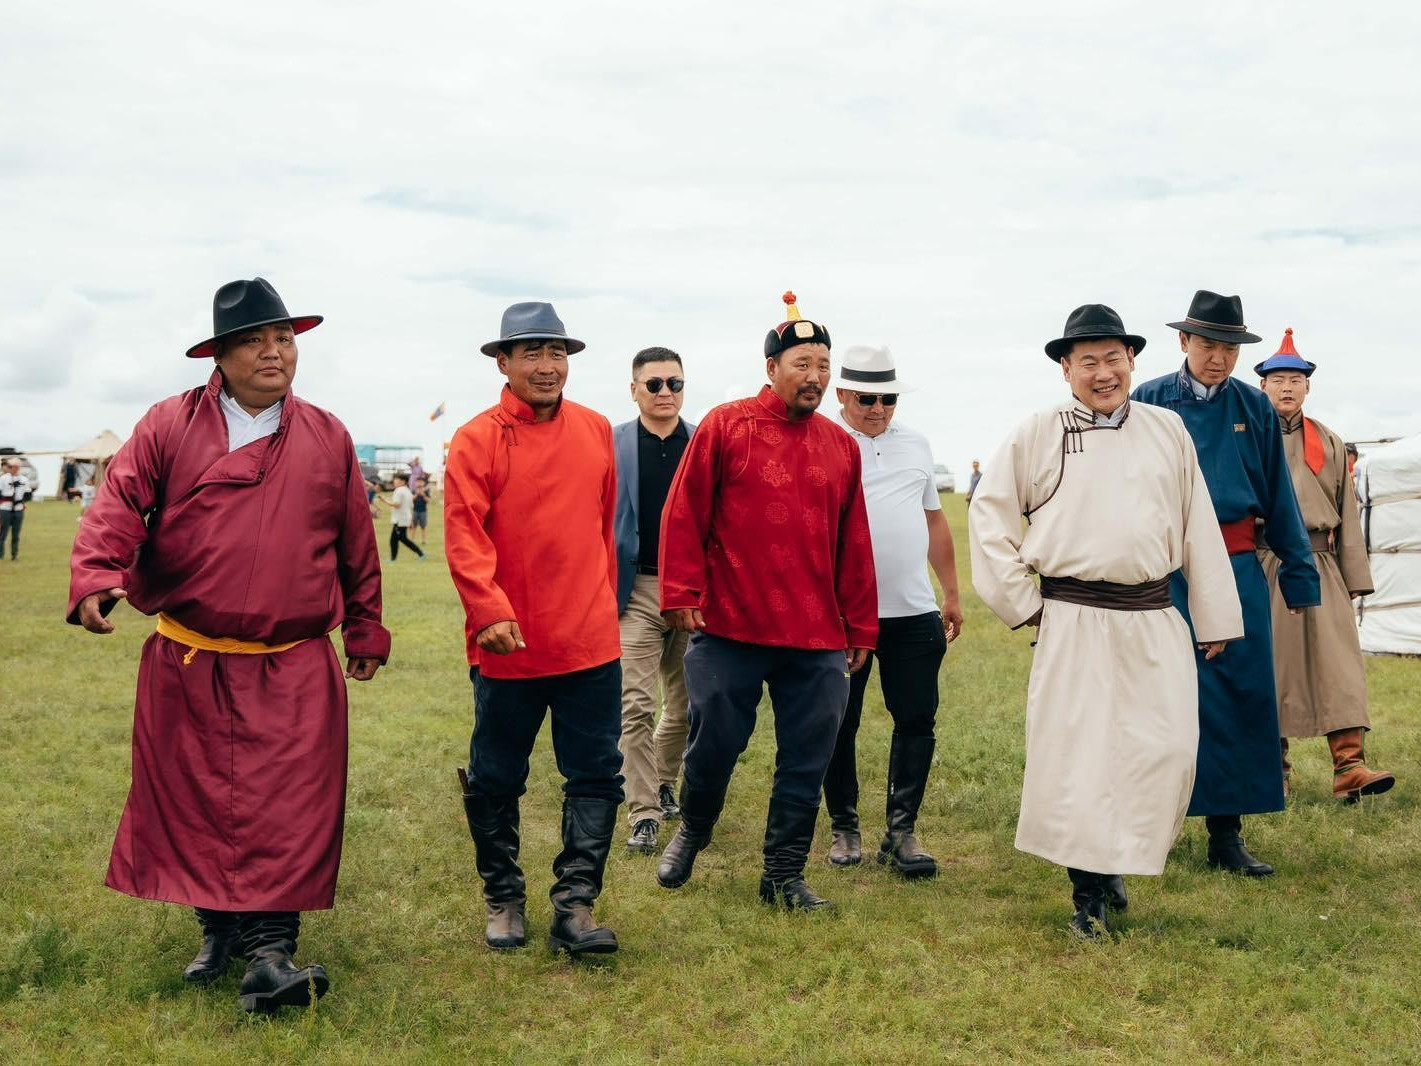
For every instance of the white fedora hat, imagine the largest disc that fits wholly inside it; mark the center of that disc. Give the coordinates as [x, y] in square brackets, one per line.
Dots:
[866, 369]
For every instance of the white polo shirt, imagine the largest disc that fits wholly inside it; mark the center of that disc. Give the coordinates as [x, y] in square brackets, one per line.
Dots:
[898, 487]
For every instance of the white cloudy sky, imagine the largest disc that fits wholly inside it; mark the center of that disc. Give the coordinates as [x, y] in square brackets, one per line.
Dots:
[937, 177]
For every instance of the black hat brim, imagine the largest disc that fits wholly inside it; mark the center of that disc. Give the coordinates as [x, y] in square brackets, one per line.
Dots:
[1061, 346]
[573, 346]
[1227, 336]
[208, 348]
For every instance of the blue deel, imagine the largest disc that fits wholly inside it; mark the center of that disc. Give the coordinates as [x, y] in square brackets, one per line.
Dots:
[1240, 446]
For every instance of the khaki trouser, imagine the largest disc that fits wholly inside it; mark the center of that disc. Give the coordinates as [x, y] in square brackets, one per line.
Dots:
[651, 673]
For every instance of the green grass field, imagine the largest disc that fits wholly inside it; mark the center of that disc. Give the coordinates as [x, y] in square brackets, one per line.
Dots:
[1316, 964]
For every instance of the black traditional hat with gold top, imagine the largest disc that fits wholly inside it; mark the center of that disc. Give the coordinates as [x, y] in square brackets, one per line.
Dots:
[795, 329]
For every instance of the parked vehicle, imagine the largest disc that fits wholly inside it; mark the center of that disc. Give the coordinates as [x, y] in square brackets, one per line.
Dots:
[944, 479]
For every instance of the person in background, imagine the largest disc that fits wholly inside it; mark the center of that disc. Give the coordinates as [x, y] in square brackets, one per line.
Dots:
[263, 547]
[649, 450]
[1352, 471]
[416, 470]
[976, 477]
[910, 533]
[401, 504]
[530, 498]
[1317, 658]
[766, 561]
[1240, 449]
[86, 498]
[1112, 721]
[420, 508]
[15, 492]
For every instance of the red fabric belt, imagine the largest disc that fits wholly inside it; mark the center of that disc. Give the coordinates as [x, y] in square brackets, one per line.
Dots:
[1238, 536]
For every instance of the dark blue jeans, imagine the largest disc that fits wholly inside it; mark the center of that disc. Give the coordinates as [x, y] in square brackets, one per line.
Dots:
[587, 724]
[808, 690]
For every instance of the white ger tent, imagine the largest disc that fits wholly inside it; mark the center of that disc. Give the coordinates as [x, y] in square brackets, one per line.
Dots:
[1389, 483]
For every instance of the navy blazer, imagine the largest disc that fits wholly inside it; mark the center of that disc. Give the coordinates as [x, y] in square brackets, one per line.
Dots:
[627, 528]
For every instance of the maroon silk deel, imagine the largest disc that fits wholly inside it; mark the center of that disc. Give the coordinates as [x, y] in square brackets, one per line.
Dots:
[238, 793]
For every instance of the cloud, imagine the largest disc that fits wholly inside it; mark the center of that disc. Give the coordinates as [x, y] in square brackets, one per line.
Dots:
[946, 180]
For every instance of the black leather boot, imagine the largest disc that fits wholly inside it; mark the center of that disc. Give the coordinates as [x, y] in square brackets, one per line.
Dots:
[789, 834]
[841, 797]
[1226, 850]
[700, 811]
[1115, 897]
[220, 941]
[588, 824]
[909, 760]
[272, 981]
[1088, 895]
[493, 823]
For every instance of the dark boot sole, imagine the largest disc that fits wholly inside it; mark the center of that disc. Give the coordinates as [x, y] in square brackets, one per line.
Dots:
[1245, 871]
[595, 947]
[295, 994]
[512, 945]
[846, 860]
[908, 873]
[1376, 788]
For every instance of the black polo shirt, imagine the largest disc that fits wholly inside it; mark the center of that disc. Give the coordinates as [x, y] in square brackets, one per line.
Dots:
[657, 461]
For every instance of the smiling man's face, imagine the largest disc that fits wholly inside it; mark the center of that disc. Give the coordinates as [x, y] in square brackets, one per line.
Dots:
[1098, 372]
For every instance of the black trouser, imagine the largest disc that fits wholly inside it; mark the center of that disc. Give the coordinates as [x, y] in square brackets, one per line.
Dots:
[910, 652]
[724, 681]
[586, 707]
[398, 537]
[10, 522]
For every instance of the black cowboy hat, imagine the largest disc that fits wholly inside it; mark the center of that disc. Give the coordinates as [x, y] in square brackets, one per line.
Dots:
[1091, 322]
[1220, 318]
[242, 305]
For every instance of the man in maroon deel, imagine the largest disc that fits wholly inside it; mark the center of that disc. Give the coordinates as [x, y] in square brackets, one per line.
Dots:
[766, 560]
[237, 515]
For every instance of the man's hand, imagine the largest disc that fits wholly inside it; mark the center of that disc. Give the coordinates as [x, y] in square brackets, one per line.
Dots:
[90, 616]
[361, 669]
[1213, 649]
[856, 658]
[501, 638]
[1296, 610]
[686, 619]
[952, 617]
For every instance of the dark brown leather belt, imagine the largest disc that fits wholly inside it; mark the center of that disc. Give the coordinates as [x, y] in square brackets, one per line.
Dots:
[1151, 596]
[1322, 540]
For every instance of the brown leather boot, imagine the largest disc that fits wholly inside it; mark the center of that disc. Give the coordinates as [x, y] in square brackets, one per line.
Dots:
[1351, 779]
[1287, 765]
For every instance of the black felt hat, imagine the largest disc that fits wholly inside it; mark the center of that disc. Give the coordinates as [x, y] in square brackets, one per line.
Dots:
[1091, 322]
[241, 305]
[1219, 318]
[796, 329]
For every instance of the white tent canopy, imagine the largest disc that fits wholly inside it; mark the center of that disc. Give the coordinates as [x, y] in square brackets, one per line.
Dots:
[1389, 483]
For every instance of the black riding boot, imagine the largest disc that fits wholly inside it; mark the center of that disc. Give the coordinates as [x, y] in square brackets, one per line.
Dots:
[1115, 897]
[699, 812]
[1226, 850]
[588, 824]
[909, 760]
[841, 797]
[220, 941]
[1088, 895]
[272, 980]
[789, 833]
[493, 823]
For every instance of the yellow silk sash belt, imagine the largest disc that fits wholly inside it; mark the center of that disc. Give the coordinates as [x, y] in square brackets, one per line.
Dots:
[196, 642]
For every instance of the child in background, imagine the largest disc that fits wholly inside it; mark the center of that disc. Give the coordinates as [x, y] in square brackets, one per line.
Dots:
[422, 496]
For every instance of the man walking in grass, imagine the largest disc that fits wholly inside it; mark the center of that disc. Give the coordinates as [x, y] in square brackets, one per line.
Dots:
[236, 513]
[1240, 448]
[910, 533]
[401, 505]
[1318, 667]
[1113, 502]
[649, 449]
[766, 561]
[529, 500]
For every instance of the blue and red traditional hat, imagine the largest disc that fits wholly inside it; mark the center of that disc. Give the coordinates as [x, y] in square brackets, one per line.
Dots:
[1285, 358]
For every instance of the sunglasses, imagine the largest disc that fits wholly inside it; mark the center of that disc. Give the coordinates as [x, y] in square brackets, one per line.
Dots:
[653, 385]
[868, 399]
